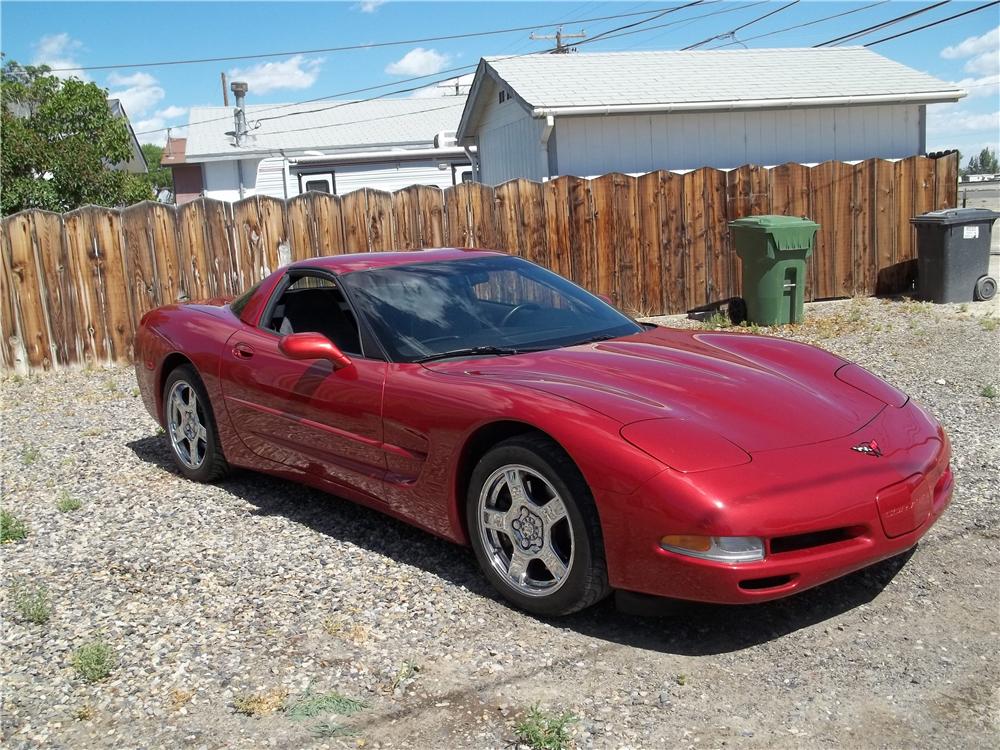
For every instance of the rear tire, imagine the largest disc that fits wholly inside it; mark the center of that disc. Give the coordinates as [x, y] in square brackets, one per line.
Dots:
[191, 428]
[534, 527]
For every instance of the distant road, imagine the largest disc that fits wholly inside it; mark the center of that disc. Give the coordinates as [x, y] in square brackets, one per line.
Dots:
[982, 195]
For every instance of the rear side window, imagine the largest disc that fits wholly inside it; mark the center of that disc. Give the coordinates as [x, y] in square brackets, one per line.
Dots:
[240, 302]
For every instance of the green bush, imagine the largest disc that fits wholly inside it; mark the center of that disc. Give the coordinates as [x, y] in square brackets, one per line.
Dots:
[12, 528]
[92, 661]
[31, 602]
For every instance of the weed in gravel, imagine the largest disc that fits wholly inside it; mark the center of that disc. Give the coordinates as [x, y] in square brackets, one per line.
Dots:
[989, 391]
[92, 661]
[30, 454]
[989, 323]
[681, 679]
[180, 698]
[718, 320]
[342, 628]
[310, 705]
[66, 503]
[12, 528]
[406, 674]
[541, 730]
[31, 601]
[329, 729]
[85, 712]
[260, 704]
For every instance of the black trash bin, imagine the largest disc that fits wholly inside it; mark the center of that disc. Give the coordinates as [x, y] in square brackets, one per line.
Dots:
[953, 254]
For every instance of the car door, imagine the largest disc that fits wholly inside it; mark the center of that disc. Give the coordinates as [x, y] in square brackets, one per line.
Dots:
[305, 413]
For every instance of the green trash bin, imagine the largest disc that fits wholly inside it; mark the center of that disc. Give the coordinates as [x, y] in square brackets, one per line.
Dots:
[774, 251]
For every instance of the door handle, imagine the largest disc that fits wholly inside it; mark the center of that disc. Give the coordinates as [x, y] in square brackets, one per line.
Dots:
[242, 351]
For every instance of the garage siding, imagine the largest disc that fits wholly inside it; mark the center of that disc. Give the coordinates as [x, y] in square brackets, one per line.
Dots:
[596, 145]
[509, 141]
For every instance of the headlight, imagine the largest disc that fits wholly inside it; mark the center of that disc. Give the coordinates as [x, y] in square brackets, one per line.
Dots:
[719, 548]
[874, 386]
[684, 445]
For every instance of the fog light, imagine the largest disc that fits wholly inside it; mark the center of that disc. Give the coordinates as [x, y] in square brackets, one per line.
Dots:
[720, 548]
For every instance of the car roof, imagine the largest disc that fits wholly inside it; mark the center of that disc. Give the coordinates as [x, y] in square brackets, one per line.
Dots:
[344, 264]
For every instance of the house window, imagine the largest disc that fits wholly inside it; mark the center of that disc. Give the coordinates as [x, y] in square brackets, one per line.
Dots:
[320, 186]
[503, 96]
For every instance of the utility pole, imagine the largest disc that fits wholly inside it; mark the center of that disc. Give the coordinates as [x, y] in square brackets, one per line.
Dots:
[559, 36]
[225, 91]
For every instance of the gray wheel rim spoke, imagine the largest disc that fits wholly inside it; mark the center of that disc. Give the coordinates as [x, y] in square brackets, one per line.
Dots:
[185, 425]
[525, 528]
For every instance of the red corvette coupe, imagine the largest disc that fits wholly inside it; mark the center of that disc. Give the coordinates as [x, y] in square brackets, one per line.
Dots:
[492, 402]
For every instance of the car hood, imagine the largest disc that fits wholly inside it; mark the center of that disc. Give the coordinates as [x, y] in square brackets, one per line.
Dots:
[761, 393]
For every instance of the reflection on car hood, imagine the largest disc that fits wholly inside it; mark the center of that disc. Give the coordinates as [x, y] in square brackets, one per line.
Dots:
[761, 393]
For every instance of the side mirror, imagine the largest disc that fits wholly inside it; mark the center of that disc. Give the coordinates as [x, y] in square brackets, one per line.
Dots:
[313, 346]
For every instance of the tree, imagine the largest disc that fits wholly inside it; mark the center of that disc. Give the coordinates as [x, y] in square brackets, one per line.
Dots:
[984, 163]
[60, 141]
[159, 178]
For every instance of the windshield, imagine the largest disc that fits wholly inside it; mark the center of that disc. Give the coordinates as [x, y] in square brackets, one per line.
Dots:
[499, 305]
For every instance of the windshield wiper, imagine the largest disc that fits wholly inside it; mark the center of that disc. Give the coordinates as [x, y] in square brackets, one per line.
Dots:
[470, 352]
[594, 339]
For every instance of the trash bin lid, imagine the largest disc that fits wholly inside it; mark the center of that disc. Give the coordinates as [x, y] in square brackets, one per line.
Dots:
[769, 222]
[784, 232]
[949, 216]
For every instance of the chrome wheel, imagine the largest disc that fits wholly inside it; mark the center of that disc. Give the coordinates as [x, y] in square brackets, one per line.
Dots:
[186, 425]
[526, 530]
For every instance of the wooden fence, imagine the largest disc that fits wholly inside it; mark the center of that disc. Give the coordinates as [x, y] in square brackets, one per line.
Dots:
[74, 286]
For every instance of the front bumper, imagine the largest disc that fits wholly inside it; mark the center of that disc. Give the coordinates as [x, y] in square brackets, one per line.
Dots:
[824, 511]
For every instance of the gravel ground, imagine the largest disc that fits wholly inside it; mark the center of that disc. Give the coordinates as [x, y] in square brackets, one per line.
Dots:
[210, 595]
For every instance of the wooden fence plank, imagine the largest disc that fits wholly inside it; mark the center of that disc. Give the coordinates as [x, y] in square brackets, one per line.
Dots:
[381, 233]
[84, 261]
[694, 239]
[315, 225]
[719, 277]
[582, 237]
[354, 207]
[59, 302]
[458, 217]
[223, 273]
[946, 181]
[115, 301]
[883, 216]
[429, 206]
[558, 252]
[11, 352]
[28, 291]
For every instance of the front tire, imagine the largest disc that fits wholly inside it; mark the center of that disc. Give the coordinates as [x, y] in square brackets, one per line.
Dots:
[190, 425]
[534, 527]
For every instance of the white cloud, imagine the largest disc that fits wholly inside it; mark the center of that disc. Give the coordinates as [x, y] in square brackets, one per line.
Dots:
[950, 126]
[370, 6]
[418, 62]
[981, 53]
[296, 72]
[445, 88]
[141, 92]
[136, 79]
[172, 112]
[981, 87]
[59, 52]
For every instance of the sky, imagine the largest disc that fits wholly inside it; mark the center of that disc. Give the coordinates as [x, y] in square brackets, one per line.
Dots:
[73, 35]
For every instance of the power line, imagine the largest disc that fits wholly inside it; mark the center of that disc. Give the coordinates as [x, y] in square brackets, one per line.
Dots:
[876, 27]
[366, 120]
[425, 84]
[934, 23]
[732, 33]
[604, 34]
[803, 25]
[347, 48]
[679, 21]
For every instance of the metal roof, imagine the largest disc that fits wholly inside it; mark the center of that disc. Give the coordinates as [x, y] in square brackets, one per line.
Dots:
[332, 125]
[703, 80]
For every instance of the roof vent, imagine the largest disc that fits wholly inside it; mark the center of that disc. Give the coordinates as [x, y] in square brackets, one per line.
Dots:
[445, 139]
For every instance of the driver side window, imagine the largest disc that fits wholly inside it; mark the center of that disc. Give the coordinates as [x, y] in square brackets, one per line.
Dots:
[315, 304]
